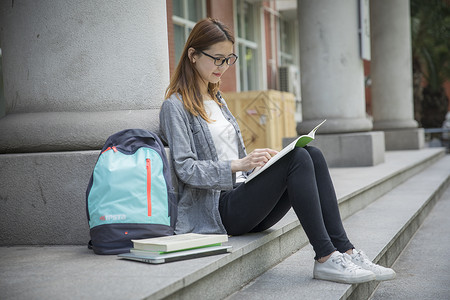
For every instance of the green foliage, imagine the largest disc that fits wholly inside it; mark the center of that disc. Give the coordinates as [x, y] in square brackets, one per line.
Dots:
[430, 28]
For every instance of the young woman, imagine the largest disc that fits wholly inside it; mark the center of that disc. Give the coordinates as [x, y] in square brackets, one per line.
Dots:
[211, 164]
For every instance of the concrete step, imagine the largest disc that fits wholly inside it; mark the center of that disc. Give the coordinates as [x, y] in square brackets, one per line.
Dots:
[382, 230]
[73, 272]
[423, 266]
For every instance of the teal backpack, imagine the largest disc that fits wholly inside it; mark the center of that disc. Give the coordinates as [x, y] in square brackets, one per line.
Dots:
[130, 193]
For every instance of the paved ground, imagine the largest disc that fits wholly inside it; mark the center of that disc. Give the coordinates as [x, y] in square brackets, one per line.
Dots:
[423, 268]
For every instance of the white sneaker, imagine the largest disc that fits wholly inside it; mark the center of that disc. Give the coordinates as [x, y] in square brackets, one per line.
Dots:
[381, 273]
[341, 269]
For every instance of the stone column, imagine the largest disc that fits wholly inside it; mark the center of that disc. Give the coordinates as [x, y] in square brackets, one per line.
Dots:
[333, 82]
[77, 71]
[391, 74]
[74, 73]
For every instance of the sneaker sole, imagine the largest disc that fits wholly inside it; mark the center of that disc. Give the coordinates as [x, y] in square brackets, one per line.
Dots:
[331, 277]
[385, 277]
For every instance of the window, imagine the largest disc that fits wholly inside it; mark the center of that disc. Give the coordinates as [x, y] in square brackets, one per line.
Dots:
[289, 73]
[247, 45]
[288, 47]
[185, 14]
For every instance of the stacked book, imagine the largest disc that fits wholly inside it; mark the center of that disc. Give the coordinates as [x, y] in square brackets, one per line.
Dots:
[177, 247]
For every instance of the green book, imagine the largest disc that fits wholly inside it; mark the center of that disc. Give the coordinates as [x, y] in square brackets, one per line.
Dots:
[301, 141]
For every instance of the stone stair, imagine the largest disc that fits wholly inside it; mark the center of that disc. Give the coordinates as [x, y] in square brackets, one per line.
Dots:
[382, 229]
[382, 207]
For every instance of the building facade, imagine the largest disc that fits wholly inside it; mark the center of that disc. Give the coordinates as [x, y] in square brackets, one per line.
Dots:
[266, 38]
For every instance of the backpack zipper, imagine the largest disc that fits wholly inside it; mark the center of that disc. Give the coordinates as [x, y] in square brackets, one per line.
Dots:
[109, 148]
[149, 186]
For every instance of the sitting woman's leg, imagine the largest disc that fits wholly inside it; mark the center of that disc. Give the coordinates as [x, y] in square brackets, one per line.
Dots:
[301, 180]
[328, 201]
[263, 201]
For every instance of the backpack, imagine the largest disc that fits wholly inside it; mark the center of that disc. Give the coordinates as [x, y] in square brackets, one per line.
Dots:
[130, 193]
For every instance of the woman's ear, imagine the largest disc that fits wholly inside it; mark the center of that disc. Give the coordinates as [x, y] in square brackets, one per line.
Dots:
[191, 54]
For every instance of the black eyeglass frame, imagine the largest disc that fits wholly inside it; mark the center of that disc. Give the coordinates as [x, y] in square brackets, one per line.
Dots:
[225, 59]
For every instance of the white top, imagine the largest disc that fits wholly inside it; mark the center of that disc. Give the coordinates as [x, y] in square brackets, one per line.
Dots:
[223, 134]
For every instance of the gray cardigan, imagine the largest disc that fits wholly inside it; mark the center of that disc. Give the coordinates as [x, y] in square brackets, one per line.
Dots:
[201, 176]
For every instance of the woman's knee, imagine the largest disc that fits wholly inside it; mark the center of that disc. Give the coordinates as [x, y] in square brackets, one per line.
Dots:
[313, 150]
[301, 152]
[301, 156]
[315, 153]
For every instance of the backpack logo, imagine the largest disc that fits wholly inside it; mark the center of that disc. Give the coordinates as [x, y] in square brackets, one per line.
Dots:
[113, 218]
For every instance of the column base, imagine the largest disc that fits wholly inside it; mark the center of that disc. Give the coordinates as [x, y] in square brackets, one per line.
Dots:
[42, 198]
[69, 131]
[350, 149]
[394, 124]
[404, 139]
[333, 126]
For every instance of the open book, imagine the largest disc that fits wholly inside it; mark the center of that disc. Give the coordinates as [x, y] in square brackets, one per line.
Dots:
[301, 141]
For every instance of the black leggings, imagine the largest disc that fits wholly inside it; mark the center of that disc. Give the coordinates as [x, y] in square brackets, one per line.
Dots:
[300, 180]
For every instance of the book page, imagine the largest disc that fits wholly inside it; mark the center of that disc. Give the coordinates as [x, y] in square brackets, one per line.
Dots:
[301, 141]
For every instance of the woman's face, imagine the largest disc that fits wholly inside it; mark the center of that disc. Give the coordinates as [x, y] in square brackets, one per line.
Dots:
[204, 64]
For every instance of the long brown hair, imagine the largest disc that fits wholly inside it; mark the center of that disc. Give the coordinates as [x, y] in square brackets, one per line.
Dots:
[184, 81]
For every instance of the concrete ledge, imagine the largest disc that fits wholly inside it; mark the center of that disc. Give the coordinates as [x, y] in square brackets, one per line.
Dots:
[42, 199]
[67, 271]
[358, 149]
[404, 139]
[259, 253]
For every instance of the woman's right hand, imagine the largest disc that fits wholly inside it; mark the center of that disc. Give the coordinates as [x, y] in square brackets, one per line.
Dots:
[257, 158]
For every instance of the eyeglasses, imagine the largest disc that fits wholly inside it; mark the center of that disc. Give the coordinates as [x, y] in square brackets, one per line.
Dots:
[218, 61]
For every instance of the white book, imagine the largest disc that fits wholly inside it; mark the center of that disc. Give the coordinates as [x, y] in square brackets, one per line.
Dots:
[179, 242]
[301, 141]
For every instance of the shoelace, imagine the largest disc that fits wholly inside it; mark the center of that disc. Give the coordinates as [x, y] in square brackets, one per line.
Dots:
[346, 263]
[361, 256]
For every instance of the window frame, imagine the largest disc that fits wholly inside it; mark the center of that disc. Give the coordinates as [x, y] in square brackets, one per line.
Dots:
[257, 45]
[293, 57]
[184, 22]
